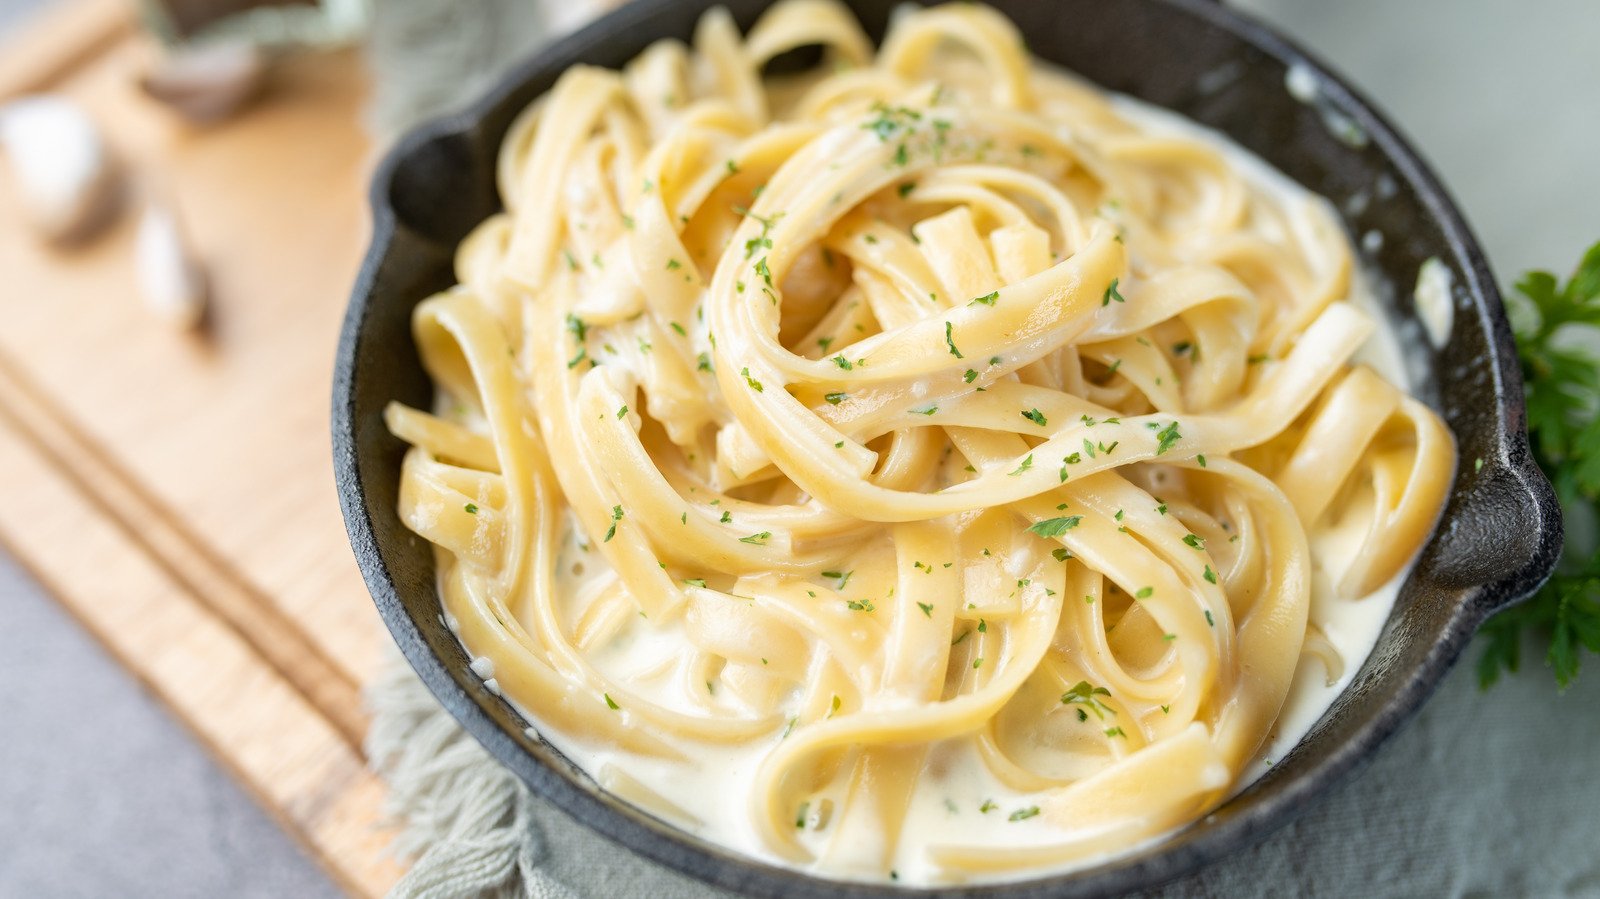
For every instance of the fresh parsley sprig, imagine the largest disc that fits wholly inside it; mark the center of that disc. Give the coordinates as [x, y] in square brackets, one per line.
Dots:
[1562, 382]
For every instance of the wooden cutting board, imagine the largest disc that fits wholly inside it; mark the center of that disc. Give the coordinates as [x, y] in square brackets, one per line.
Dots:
[175, 490]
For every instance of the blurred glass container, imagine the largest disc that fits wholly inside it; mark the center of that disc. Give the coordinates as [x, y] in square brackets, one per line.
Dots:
[268, 24]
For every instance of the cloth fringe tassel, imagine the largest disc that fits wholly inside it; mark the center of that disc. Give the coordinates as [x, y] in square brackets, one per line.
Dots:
[465, 819]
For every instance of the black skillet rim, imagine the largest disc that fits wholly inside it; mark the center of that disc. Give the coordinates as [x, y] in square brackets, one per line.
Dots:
[1142, 869]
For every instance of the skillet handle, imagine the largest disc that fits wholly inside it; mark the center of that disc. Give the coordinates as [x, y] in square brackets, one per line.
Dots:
[1542, 516]
[1504, 535]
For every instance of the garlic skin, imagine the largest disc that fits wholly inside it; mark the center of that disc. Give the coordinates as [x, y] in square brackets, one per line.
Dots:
[63, 170]
[171, 281]
[209, 82]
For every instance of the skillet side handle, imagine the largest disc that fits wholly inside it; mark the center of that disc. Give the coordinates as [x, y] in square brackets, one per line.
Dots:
[1542, 515]
[1502, 532]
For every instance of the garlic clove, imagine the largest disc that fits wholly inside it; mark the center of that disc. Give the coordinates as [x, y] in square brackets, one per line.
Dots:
[63, 170]
[208, 82]
[172, 282]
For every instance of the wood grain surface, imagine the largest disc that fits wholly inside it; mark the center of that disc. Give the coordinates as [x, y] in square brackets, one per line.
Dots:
[175, 490]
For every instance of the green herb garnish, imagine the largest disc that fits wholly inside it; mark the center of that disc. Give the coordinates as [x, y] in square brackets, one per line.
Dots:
[1167, 438]
[1055, 527]
[1111, 293]
[1084, 694]
[891, 121]
[1562, 384]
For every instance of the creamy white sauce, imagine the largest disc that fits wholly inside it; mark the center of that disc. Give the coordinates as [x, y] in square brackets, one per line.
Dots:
[713, 792]
[1435, 306]
[1302, 84]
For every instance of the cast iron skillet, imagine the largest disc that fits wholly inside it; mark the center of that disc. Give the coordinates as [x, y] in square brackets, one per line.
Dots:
[1497, 541]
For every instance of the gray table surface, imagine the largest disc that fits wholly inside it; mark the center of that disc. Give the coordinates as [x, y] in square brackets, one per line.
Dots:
[111, 797]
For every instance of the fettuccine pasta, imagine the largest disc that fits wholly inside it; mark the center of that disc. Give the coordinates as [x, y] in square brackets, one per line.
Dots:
[926, 436]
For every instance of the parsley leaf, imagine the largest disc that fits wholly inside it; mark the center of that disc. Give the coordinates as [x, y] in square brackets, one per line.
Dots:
[1168, 436]
[1055, 527]
[1085, 694]
[1564, 433]
[1111, 293]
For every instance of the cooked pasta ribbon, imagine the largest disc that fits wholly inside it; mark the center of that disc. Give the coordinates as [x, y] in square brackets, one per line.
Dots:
[917, 404]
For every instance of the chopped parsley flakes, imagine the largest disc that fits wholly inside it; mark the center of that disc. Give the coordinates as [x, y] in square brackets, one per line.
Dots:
[1055, 527]
[1167, 438]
